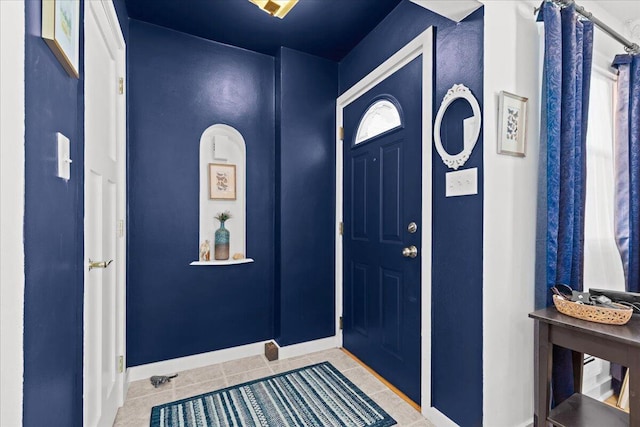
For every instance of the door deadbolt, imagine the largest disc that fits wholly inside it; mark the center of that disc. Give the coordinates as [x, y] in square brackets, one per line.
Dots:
[412, 227]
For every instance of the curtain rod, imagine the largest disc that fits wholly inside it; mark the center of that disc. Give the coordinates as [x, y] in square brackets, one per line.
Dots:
[629, 46]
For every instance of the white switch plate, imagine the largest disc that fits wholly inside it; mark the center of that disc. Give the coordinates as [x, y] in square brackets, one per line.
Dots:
[462, 183]
[64, 160]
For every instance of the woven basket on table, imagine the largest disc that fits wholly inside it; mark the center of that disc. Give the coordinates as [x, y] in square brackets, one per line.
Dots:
[594, 313]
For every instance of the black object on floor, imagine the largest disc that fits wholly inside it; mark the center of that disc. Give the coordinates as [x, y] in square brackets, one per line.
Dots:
[158, 380]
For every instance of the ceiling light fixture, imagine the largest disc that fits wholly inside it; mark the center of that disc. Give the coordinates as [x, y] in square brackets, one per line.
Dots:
[278, 8]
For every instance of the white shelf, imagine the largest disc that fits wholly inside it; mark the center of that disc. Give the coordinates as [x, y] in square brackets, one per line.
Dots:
[225, 262]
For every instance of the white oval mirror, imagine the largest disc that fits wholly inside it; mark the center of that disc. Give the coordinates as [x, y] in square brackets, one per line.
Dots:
[471, 126]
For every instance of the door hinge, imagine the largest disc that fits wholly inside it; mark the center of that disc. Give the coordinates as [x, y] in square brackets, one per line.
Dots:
[120, 228]
[341, 228]
[120, 364]
[341, 323]
[341, 133]
[121, 85]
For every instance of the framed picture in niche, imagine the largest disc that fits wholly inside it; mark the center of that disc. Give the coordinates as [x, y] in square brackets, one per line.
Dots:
[222, 181]
[512, 124]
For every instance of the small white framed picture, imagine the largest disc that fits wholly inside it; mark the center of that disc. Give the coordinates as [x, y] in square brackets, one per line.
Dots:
[222, 181]
[512, 124]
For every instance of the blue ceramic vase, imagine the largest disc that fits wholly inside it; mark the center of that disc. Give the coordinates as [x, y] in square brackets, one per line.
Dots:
[221, 243]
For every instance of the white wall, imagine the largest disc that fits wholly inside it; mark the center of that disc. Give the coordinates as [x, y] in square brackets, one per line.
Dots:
[11, 210]
[512, 55]
[510, 186]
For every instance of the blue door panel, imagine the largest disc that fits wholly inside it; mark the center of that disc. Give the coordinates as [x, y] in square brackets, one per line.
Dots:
[359, 197]
[360, 286]
[391, 310]
[391, 208]
[382, 195]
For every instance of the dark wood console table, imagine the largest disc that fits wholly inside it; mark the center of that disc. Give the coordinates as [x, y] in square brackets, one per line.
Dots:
[619, 344]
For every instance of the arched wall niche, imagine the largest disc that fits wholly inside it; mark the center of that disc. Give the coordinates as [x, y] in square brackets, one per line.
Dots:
[222, 144]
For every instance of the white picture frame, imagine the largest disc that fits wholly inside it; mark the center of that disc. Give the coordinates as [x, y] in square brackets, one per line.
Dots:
[61, 32]
[512, 124]
[471, 126]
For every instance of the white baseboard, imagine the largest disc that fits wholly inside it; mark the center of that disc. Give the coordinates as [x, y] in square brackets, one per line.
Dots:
[528, 423]
[171, 366]
[604, 396]
[180, 364]
[301, 349]
[437, 418]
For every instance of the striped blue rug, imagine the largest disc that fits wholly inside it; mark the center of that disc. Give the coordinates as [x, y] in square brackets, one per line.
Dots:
[316, 395]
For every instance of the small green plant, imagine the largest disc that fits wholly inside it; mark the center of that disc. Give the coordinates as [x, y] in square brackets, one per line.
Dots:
[223, 216]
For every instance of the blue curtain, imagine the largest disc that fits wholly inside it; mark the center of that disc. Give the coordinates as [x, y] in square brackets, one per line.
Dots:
[566, 83]
[627, 167]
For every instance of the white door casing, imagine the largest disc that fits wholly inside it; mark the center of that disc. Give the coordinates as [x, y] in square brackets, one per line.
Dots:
[104, 192]
[421, 45]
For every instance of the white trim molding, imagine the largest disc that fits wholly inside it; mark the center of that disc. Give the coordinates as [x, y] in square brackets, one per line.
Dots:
[308, 347]
[437, 418]
[12, 113]
[420, 46]
[456, 10]
[201, 360]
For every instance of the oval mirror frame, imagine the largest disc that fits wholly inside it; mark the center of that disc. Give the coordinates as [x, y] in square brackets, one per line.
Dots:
[471, 125]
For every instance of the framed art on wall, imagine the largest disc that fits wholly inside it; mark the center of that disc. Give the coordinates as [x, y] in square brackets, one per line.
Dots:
[512, 123]
[61, 32]
[222, 181]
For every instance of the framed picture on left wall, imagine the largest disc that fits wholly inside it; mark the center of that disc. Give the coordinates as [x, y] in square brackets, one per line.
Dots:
[61, 32]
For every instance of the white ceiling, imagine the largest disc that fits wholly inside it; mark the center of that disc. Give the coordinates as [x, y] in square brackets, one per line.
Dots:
[621, 15]
[626, 12]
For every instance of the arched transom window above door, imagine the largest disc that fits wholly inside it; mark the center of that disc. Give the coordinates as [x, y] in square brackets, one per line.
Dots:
[382, 116]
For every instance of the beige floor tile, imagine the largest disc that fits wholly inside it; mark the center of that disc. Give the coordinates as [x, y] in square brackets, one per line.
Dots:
[249, 376]
[142, 396]
[336, 357]
[195, 376]
[423, 423]
[239, 366]
[322, 356]
[400, 410]
[280, 366]
[200, 388]
[144, 388]
[144, 404]
[132, 417]
[364, 380]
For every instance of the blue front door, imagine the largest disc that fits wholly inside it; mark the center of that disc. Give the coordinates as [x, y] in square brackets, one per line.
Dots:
[382, 197]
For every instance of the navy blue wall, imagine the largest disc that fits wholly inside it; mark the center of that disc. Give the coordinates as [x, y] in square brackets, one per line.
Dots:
[123, 17]
[178, 86]
[53, 236]
[305, 216]
[457, 222]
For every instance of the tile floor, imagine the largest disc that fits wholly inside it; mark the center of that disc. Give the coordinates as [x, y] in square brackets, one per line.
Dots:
[142, 395]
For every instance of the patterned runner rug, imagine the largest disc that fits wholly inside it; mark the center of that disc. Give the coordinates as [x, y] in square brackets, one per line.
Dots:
[316, 395]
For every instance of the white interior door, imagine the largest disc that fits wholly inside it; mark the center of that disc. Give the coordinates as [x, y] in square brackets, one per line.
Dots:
[104, 214]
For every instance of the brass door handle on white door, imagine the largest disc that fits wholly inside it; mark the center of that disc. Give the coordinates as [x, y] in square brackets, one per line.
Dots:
[410, 252]
[99, 264]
